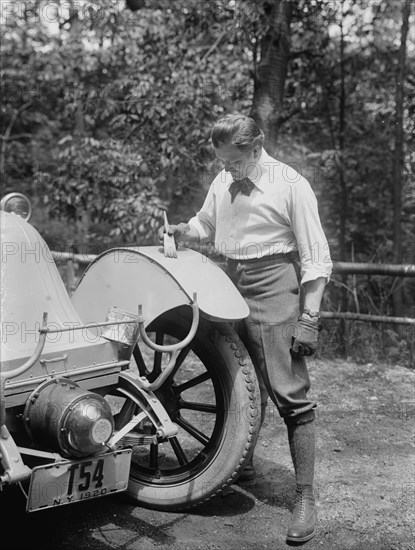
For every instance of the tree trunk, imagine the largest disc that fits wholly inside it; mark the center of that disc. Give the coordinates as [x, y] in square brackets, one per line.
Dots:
[398, 155]
[344, 198]
[76, 38]
[271, 71]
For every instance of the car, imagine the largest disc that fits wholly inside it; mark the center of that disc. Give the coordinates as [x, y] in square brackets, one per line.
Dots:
[135, 382]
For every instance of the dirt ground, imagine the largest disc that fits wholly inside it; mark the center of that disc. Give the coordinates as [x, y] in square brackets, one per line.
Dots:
[365, 483]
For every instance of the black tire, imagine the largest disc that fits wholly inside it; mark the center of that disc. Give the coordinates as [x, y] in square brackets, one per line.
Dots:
[214, 438]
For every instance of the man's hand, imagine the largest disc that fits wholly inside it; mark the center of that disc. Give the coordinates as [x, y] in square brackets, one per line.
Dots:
[305, 337]
[177, 231]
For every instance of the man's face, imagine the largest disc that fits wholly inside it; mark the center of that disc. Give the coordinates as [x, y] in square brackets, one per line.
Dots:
[238, 163]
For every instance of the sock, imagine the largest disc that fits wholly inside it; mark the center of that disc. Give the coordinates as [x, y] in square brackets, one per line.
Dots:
[301, 438]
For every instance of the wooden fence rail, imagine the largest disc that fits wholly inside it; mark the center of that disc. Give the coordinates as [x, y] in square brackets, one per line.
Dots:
[404, 270]
[351, 316]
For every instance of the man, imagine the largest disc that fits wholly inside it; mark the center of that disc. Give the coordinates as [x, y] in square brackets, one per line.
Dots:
[263, 217]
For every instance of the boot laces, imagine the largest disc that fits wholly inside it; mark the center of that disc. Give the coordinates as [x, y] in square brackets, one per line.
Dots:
[301, 504]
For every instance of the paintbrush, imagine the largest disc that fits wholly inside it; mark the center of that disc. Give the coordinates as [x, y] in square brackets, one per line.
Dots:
[168, 240]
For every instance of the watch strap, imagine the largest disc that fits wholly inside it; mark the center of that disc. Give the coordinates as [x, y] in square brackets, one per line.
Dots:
[312, 312]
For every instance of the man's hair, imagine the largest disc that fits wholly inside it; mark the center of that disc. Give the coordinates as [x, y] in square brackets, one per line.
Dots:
[238, 130]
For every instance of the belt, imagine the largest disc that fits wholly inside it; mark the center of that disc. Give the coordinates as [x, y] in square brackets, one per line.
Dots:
[290, 257]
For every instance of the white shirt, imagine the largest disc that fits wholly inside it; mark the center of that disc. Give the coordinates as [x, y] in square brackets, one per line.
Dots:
[280, 216]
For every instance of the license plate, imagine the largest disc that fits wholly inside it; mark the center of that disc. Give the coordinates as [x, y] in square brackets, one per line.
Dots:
[76, 481]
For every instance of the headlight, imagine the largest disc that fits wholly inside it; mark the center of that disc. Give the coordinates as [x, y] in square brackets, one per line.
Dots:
[62, 416]
[17, 203]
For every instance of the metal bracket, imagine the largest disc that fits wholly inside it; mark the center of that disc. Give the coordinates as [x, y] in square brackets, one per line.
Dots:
[150, 407]
[14, 468]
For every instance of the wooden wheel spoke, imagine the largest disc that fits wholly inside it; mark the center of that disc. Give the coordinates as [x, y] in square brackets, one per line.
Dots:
[179, 361]
[125, 414]
[178, 451]
[138, 357]
[203, 407]
[192, 382]
[192, 430]
[158, 356]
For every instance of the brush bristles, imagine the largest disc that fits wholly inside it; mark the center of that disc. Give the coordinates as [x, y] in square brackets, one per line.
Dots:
[169, 246]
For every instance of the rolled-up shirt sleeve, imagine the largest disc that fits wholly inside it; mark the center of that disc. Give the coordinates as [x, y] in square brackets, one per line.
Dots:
[205, 220]
[312, 244]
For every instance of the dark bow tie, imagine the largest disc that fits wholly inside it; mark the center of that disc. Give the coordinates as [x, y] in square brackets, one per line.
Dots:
[244, 186]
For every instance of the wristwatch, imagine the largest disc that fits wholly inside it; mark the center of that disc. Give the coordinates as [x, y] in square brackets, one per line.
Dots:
[311, 313]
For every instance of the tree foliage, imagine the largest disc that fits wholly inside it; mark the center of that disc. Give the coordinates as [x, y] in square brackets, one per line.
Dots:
[118, 108]
[106, 112]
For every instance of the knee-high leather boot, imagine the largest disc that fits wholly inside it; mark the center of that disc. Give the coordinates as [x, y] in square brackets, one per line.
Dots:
[301, 439]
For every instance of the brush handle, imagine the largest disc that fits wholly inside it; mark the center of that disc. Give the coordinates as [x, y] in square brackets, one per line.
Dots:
[166, 222]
